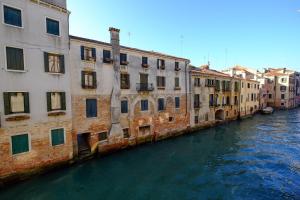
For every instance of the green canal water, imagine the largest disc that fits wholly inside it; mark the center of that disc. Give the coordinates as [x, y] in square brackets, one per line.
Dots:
[257, 158]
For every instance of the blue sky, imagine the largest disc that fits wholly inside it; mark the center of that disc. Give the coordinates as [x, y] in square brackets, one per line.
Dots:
[252, 33]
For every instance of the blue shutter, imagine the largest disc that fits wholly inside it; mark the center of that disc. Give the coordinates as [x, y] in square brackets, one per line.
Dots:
[94, 53]
[82, 52]
[124, 106]
[91, 108]
[12, 16]
[177, 102]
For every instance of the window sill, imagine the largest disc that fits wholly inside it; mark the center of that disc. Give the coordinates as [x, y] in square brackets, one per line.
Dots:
[53, 35]
[89, 61]
[161, 88]
[55, 73]
[177, 88]
[17, 117]
[56, 113]
[90, 118]
[16, 71]
[57, 146]
[13, 26]
[20, 154]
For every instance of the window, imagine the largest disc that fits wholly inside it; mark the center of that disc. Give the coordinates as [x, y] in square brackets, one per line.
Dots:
[177, 85]
[227, 101]
[19, 144]
[16, 102]
[126, 133]
[283, 80]
[242, 84]
[56, 101]
[197, 82]
[217, 85]
[197, 101]
[12, 16]
[52, 26]
[161, 81]
[14, 58]
[270, 96]
[196, 119]
[107, 56]
[177, 102]
[144, 130]
[88, 53]
[161, 104]
[88, 80]
[54, 63]
[252, 96]
[282, 88]
[177, 68]
[91, 108]
[57, 136]
[160, 64]
[236, 100]
[236, 86]
[144, 105]
[211, 100]
[123, 59]
[125, 81]
[102, 136]
[282, 96]
[124, 106]
[206, 117]
[144, 61]
[242, 98]
[209, 83]
[248, 85]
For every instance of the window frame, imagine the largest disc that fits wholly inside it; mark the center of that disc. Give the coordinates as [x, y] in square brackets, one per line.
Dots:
[177, 106]
[127, 108]
[50, 110]
[144, 100]
[14, 7]
[11, 144]
[125, 86]
[5, 59]
[158, 105]
[50, 136]
[62, 69]
[17, 113]
[94, 80]
[86, 113]
[59, 26]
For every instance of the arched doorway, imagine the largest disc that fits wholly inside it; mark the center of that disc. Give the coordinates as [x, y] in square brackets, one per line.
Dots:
[219, 115]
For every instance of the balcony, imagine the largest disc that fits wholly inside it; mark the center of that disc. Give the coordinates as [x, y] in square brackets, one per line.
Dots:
[144, 87]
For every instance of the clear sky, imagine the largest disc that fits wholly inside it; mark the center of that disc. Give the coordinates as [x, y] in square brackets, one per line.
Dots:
[252, 33]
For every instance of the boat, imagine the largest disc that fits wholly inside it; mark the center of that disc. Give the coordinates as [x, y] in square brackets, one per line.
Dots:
[268, 110]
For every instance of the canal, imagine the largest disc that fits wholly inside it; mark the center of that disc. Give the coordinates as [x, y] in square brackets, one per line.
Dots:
[257, 158]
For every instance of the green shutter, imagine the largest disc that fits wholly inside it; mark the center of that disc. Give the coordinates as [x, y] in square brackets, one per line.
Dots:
[7, 106]
[49, 107]
[26, 102]
[62, 63]
[20, 144]
[94, 80]
[57, 137]
[46, 61]
[63, 100]
[82, 79]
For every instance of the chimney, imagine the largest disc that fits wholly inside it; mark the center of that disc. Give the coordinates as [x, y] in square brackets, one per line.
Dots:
[115, 102]
[284, 70]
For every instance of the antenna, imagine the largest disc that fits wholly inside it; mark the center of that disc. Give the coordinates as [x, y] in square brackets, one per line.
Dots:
[181, 44]
[129, 34]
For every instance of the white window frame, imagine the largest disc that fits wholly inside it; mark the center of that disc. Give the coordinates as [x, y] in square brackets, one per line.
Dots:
[5, 59]
[16, 7]
[59, 24]
[29, 144]
[50, 137]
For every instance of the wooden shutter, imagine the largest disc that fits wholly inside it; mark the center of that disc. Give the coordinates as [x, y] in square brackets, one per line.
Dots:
[157, 63]
[82, 79]
[26, 102]
[63, 100]
[46, 61]
[20, 144]
[82, 52]
[7, 107]
[62, 63]
[49, 107]
[94, 79]
[94, 53]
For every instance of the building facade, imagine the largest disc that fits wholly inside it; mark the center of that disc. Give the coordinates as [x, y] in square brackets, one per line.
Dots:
[35, 108]
[143, 94]
[214, 97]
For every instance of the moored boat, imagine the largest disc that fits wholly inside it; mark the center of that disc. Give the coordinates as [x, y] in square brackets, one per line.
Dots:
[268, 110]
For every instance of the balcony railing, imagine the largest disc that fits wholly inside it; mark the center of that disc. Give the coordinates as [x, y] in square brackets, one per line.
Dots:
[144, 87]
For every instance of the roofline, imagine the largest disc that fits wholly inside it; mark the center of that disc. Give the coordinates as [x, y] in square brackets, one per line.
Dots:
[72, 37]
